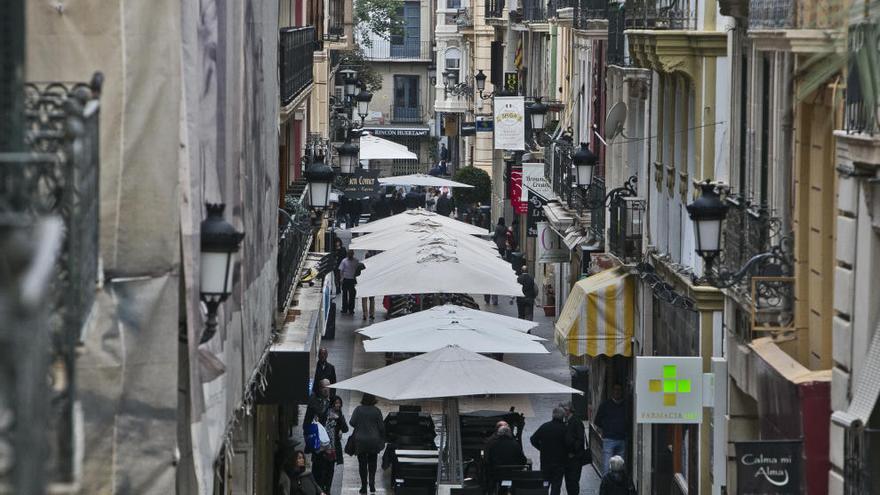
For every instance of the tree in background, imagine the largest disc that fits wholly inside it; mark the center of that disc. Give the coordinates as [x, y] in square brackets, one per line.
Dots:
[480, 193]
[383, 18]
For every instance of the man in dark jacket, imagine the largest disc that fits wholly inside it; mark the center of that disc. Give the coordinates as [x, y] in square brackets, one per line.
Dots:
[505, 450]
[525, 304]
[323, 370]
[576, 441]
[398, 204]
[444, 205]
[318, 403]
[550, 442]
[612, 418]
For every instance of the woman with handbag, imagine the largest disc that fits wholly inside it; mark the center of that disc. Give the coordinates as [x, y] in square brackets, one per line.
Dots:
[336, 426]
[369, 439]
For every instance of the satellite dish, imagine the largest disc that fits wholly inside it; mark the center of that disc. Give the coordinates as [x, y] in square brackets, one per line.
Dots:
[615, 120]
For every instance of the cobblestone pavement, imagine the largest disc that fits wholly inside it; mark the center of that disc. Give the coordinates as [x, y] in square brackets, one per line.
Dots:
[347, 354]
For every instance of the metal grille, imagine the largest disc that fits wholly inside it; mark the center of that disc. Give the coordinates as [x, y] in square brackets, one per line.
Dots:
[661, 14]
[616, 40]
[588, 10]
[296, 59]
[494, 9]
[860, 462]
[625, 226]
[862, 102]
[294, 239]
[534, 10]
[746, 233]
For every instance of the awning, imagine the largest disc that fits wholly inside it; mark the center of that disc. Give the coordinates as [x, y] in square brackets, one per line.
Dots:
[421, 180]
[599, 316]
[376, 148]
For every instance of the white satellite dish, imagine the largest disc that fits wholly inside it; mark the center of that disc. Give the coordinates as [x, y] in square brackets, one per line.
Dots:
[615, 120]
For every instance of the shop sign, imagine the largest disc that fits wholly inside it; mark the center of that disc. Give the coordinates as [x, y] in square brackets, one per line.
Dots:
[548, 246]
[769, 467]
[510, 123]
[669, 389]
[535, 181]
[392, 132]
[511, 82]
[535, 214]
[468, 128]
[361, 184]
[484, 124]
[519, 206]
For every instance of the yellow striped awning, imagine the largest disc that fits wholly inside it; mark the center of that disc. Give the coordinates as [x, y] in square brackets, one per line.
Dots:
[599, 316]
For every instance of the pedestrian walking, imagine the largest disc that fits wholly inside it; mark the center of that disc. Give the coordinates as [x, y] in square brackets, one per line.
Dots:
[444, 204]
[368, 304]
[444, 153]
[525, 304]
[398, 204]
[349, 270]
[324, 370]
[550, 442]
[355, 208]
[616, 481]
[369, 439]
[295, 479]
[316, 411]
[331, 457]
[612, 419]
[578, 453]
[339, 254]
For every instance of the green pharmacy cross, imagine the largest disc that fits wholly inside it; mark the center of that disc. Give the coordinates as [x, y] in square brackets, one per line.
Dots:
[670, 386]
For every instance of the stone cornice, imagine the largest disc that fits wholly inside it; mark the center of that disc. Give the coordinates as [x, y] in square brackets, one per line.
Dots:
[674, 51]
[799, 40]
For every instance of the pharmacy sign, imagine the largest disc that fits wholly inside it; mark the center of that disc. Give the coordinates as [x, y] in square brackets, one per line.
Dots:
[669, 389]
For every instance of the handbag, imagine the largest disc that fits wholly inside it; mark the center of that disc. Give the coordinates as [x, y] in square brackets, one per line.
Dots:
[311, 438]
[330, 454]
[350, 447]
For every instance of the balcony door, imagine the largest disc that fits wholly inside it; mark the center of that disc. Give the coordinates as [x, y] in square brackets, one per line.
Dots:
[406, 44]
[406, 99]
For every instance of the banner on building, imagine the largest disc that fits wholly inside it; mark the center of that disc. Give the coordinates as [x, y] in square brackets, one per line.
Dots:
[519, 206]
[535, 182]
[769, 467]
[361, 184]
[669, 389]
[510, 123]
[535, 214]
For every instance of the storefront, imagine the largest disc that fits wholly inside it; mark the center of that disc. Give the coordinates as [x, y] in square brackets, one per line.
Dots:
[416, 138]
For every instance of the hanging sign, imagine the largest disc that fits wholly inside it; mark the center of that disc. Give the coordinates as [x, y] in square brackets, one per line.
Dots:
[535, 182]
[548, 248]
[519, 206]
[511, 82]
[768, 467]
[510, 123]
[669, 389]
[535, 215]
[361, 184]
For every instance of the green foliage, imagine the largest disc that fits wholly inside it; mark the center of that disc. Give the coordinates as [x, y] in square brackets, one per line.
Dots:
[366, 71]
[384, 18]
[476, 177]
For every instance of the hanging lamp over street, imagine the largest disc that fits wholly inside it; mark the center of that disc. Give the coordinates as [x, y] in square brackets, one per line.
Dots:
[707, 212]
[219, 243]
[320, 178]
[585, 164]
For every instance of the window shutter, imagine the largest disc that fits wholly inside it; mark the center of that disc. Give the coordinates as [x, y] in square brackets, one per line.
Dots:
[497, 65]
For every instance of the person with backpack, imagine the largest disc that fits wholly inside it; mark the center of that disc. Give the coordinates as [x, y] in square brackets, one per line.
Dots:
[525, 305]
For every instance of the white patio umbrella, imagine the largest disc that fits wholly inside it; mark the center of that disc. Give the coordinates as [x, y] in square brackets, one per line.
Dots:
[443, 315]
[437, 267]
[376, 148]
[420, 180]
[395, 236]
[450, 372]
[417, 215]
[470, 337]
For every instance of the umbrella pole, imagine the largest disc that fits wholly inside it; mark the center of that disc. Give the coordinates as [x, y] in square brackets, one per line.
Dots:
[451, 469]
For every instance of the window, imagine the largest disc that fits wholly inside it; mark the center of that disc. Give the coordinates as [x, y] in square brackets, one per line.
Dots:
[453, 62]
[407, 42]
[406, 99]
[453, 4]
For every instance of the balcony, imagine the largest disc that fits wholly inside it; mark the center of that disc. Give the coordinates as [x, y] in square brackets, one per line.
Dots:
[494, 9]
[294, 239]
[397, 49]
[862, 114]
[406, 114]
[336, 20]
[796, 14]
[534, 11]
[616, 54]
[58, 176]
[295, 61]
[625, 214]
[661, 14]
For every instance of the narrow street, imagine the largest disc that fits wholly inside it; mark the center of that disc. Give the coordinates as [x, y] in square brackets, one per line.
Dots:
[347, 354]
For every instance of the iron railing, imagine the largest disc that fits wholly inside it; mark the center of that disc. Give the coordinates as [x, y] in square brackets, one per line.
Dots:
[294, 238]
[746, 233]
[406, 114]
[860, 462]
[398, 48]
[534, 10]
[59, 176]
[296, 59]
[616, 54]
[336, 19]
[862, 114]
[625, 212]
[797, 14]
[661, 14]
[494, 9]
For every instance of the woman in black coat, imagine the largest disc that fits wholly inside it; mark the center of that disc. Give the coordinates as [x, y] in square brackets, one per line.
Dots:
[369, 439]
[336, 426]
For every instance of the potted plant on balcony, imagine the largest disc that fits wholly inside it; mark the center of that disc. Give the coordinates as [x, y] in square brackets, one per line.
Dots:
[549, 301]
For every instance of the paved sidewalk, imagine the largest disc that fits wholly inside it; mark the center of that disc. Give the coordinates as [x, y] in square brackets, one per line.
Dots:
[347, 354]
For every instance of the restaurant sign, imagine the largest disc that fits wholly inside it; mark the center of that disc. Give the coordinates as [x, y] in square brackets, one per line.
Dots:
[398, 131]
[768, 467]
[361, 184]
[669, 389]
[510, 123]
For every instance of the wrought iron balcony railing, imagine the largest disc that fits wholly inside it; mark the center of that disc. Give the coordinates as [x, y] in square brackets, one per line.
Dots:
[616, 54]
[625, 217]
[406, 114]
[661, 14]
[534, 10]
[398, 48]
[294, 238]
[59, 176]
[336, 19]
[494, 9]
[797, 14]
[862, 114]
[746, 233]
[296, 59]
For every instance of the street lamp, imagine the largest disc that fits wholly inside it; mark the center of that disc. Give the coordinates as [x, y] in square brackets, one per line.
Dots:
[480, 81]
[363, 102]
[219, 243]
[537, 114]
[451, 78]
[320, 178]
[584, 162]
[707, 212]
[348, 156]
[350, 81]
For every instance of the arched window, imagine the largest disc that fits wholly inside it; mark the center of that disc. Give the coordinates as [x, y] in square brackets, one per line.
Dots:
[453, 62]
